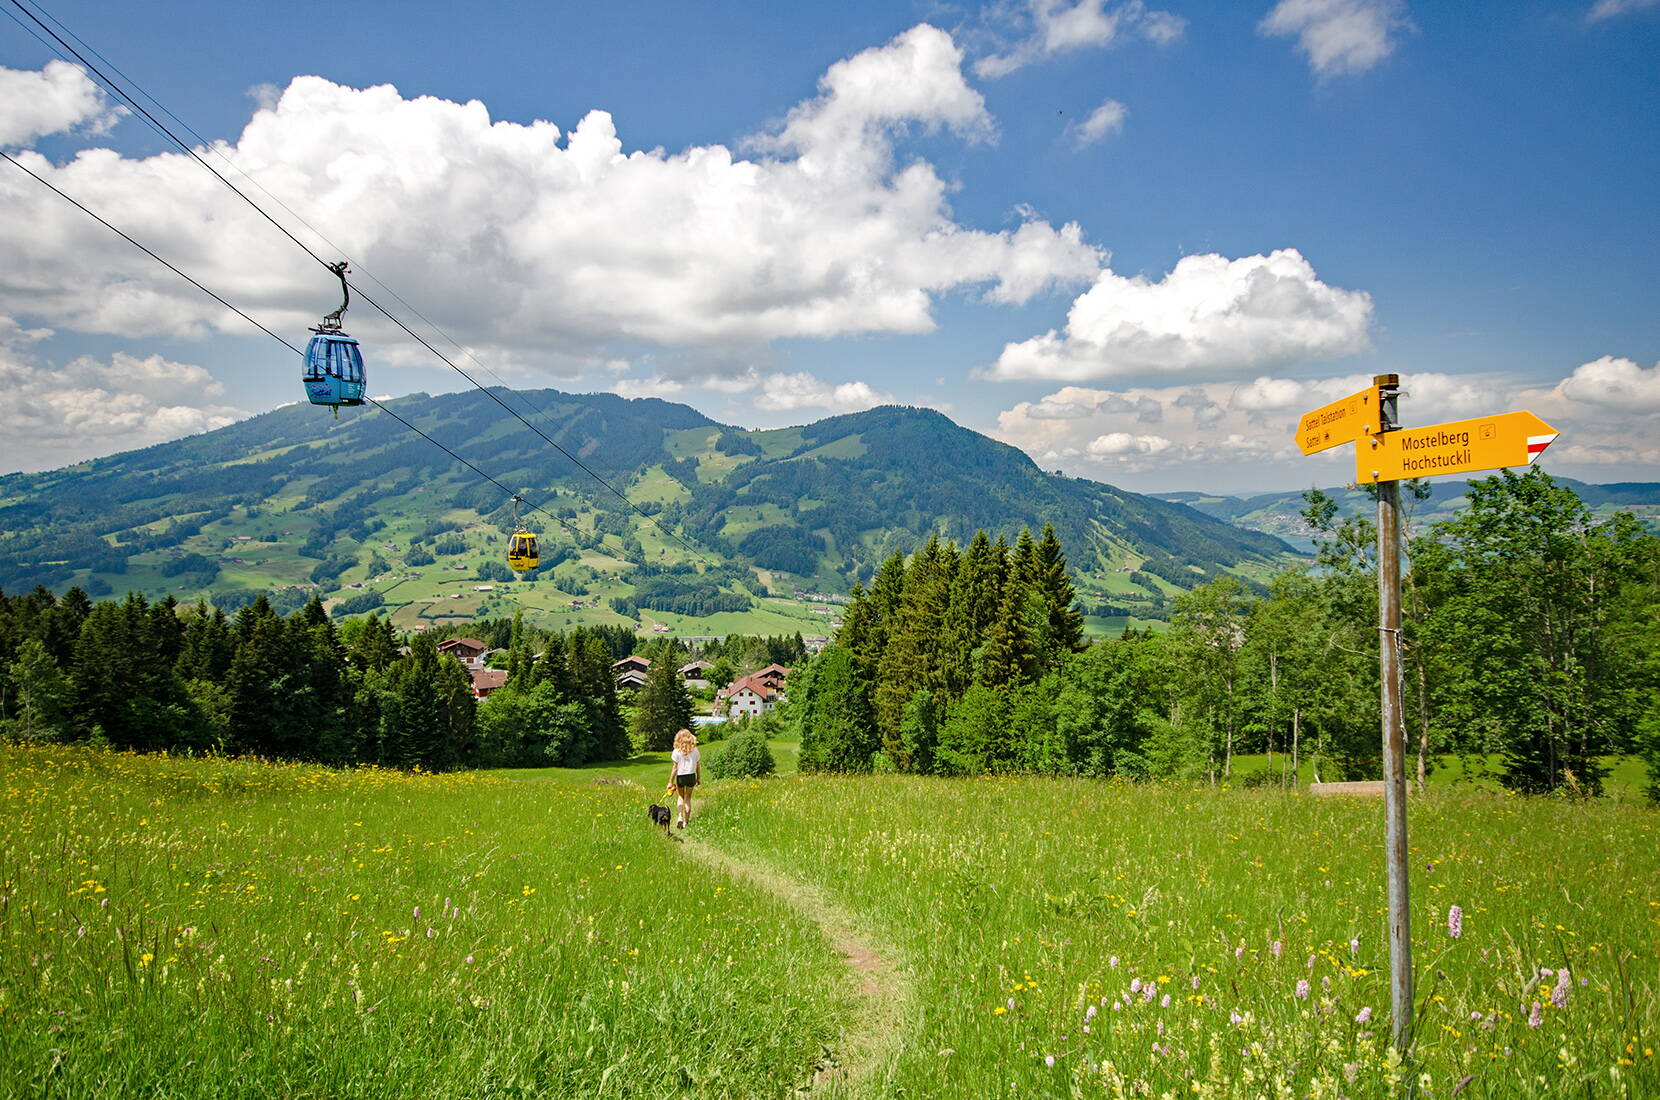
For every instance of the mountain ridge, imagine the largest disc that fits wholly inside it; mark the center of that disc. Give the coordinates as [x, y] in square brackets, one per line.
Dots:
[361, 509]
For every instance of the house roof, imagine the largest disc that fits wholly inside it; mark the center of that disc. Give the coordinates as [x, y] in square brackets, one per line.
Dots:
[470, 643]
[774, 670]
[488, 679]
[695, 666]
[755, 683]
[632, 659]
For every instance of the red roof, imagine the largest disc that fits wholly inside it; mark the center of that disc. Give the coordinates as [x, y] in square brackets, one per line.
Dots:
[486, 680]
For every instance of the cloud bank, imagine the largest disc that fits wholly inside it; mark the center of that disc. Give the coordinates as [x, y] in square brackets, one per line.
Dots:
[531, 243]
[1209, 317]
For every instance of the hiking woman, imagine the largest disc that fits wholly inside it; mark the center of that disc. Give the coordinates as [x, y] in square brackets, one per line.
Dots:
[685, 771]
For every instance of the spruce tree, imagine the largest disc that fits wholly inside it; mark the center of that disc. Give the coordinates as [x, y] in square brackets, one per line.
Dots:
[911, 660]
[1065, 634]
[836, 730]
[662, 709]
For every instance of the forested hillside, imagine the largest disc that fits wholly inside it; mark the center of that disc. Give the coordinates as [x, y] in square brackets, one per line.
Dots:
[712, 529]
[1530, 643]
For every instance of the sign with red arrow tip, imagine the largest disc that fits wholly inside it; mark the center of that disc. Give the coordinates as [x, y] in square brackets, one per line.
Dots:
[1458, 447]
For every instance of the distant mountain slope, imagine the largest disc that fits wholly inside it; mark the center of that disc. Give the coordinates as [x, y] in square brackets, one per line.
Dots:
[369, 514]
[1278, 513]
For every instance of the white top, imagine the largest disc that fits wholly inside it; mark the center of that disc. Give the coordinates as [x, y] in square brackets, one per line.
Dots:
[685, 763]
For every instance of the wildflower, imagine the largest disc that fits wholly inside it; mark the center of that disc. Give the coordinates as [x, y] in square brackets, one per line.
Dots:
[1238, 952]
[469, 960]
[1311, 962]
[1011, 1004]
[1164, 1002]
[1235, 1018]
[1275, 947]
[1302, 989]
[1195, 981]
[1089, 1013]
[417, 913]
[1455, 922]
[1135, 986]
[1049, 1060]
[1537, 1016]
[1354, 947]
[1148, 991]
[1559, 995]
[1113, 961]
[1364, 1015]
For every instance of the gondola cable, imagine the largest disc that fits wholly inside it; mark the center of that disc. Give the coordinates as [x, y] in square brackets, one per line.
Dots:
[83, 208]
[253, 180]
[159, 127]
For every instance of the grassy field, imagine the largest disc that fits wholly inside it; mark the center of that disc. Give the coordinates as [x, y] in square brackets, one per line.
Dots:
[217, 928]
[1085, 938]
[222, 929]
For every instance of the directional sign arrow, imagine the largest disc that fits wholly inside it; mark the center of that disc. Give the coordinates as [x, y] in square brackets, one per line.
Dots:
[1343, 420]
[1458, 447]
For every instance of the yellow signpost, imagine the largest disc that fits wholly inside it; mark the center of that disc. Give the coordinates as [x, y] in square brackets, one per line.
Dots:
[1457, 447]
[1385, 455]
[1340, 422]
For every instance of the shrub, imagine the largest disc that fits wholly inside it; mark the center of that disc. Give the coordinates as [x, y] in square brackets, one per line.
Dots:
[744, 756]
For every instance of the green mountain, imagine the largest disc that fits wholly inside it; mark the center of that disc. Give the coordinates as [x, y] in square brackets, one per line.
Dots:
[723, 530]
[1279, 513]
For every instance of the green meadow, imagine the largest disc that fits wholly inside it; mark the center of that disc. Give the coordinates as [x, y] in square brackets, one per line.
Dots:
[222, 928]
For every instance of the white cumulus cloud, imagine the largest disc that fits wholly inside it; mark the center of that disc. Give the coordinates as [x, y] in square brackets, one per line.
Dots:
[1105, 119]
[1210, 316]
[532, 245]
[58, 98]
[1339, 36]
[1054, 27]
[92, 407]
[1614, 383]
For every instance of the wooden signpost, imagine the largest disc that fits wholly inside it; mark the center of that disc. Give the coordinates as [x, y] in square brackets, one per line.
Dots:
[1385, 455]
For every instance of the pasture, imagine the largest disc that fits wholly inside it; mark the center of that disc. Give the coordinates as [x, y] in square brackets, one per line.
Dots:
[212, 928]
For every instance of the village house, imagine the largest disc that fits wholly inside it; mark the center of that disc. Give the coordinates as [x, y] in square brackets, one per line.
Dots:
[630, 672]
[469, 651]
[486, 680]
[751, 695]
[696, 673]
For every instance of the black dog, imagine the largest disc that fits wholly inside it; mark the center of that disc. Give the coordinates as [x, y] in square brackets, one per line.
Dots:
[659, 815]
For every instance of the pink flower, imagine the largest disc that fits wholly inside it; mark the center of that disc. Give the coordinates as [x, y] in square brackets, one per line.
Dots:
[1455, 922]
[1275, 947]
[1537, 1016]
[1135, 985]
[1302, 989]
[1559, 995]
[1364, 1015]
[1049, 1059]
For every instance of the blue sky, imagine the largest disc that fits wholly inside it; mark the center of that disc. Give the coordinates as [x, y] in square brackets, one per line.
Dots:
[1134, 239]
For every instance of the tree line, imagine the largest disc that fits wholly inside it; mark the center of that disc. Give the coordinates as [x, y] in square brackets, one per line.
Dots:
[1530, 639]
[133, 674]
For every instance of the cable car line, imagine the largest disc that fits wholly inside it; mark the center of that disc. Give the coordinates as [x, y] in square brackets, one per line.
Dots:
[278, 337]
[157, 125]
[253, 180]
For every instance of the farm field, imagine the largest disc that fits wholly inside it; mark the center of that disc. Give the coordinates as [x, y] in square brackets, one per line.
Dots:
[224, 928]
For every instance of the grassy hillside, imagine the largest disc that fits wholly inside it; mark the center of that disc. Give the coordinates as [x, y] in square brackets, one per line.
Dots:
[214, 929]
[720, 529]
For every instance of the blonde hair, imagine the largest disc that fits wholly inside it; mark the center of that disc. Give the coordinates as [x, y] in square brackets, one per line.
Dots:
[685, 741]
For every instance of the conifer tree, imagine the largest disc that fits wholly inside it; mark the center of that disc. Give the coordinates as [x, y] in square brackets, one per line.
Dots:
[662, 709]
[40, 692]
[911, 660]
[1065, 634]
[836, 730]
[590, 682]
[971, 611]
